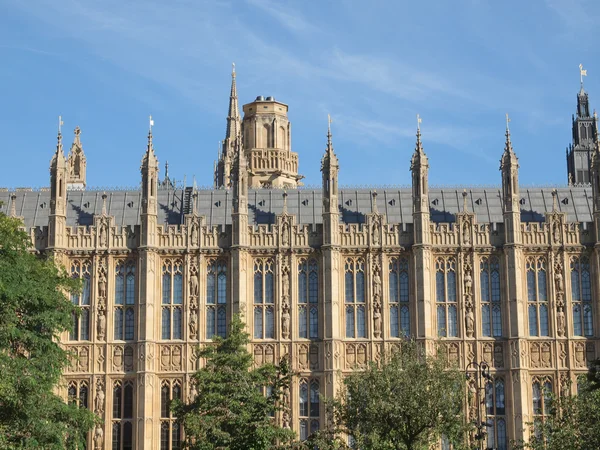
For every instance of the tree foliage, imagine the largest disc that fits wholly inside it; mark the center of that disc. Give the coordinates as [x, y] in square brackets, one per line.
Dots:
[407, 401]
[33, 312]
[235, 402]
[573, 422]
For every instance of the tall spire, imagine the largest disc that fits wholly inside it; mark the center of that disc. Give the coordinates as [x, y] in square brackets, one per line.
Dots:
[330, 157]
[59, 146]
[508, 148]
[233, 116]
[419, 156]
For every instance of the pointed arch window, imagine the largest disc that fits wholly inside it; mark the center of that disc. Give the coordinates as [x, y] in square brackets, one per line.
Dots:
[491, 311]
[541, 390]
[310, 408]
[172, 300]
[308, 299]
[81, 299]
[445, 292]
[216, 299]
[495, 403]
[122, 415]
[124, 310]
[354, 280]
[170, 430]
[399, 298]
[78, 393]
[537, 296]
[264, 299]
[581, 297]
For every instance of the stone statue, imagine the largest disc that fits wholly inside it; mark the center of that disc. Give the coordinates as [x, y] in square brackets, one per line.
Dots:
[193, 392]
[193, 323]
[470, 322]
[556, 232]
[466, 234]
[560, 322]
[285, 234]
[286, 419]
[285, 283]
[98, 438]
[194, 283]
[376, 286]
[99, 400]
[103, 232]
[558, 280]
[101, 283]
[468, 283]
[375, 233]
[377, 319]
[101, 325]
[194, 234]
[285, 321]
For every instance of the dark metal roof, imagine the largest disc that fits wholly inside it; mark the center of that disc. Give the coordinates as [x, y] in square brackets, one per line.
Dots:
[305, 204]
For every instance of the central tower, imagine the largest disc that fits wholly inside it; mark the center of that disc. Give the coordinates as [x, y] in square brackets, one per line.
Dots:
[267, 142]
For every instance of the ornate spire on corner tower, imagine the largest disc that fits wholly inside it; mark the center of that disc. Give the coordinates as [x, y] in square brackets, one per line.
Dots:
[579, 152]
[330, 170]
[419, 167]
[77, 163]
[233, 133]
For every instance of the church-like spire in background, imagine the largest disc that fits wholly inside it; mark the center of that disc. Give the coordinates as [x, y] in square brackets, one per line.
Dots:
[233, 134]
[233, 116]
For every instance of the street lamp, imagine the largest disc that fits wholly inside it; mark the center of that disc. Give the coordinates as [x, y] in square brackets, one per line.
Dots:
[482, 378]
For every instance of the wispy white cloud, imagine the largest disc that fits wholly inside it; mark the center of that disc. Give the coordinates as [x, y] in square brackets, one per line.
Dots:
[287, 17]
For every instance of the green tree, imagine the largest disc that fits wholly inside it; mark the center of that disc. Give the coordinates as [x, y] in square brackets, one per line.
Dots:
[407, 401]
[33, 312]
[235, 403]
[573, 422]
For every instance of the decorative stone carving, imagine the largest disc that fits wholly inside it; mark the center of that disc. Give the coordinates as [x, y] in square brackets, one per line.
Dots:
[314, 357]
[472, 399]
[468, 293]
[285, 283]
[376, 285]
[100, 359]
[361, 355]
[193, 323]
[128, 358]
[193, 391]
[541, 355]
[466, 233]
[101, 324]
[99, 399]
[98, 438]
[377, 320]
[285, 233]
[498, 356]
[375, 232]
[487, 353]
[560, 322]
[102, 283]
[579, 354]
[285, 321]
[470, 322]
[103, 233]
[194, 234]
[556, 231]
[350, 356]
[194, 282]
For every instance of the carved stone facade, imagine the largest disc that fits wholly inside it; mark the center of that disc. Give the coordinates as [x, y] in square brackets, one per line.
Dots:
[328, 278]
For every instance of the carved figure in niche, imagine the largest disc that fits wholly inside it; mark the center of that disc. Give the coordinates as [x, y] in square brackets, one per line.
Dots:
[285, 234]
[556, 232]
[470, 322]
[560, 322]
[472, 400]
[101, 325]
[376, 285]
[375, 233]
[285, 321]
[377, 319]
[285, 283]
[98, 438]
[101, 283]
[103, 234]
[468, 282]
[466, 234]
[193, 323]
[193, 392]
[99, 400]
[194, 282]
[558, 280]
[194, 234]
[286, 419]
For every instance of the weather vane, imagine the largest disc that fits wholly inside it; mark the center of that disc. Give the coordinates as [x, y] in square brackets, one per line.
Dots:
[151, 122]
[582, 73]
[507, 121]
[60, 124]
[419, 120]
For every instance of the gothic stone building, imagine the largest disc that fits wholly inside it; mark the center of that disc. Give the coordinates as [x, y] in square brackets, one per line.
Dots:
[330, 277]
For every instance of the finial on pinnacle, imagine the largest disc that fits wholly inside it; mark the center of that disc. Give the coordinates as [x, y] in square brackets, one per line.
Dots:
[60, 124]
[464, 194]
[582, 73]
[150, 123]
[507, 122]
[419, 120]
[104, 203]
[554, 200]
[233, 69]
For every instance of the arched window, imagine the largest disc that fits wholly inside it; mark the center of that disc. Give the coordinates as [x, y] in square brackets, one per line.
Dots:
[122, 416]
[124, 310]
[267, 136]
[281, 138]
[496, 411]
[541, 390]
[78, 393]
[537, 297]
[170, 430]
[172, 300]
[355, 298]
[81, 322]
[308, 299]
[491, 312]
[581, 297]
[309, 407]
[399, 296]
[216, 299]
[264, 301]
[445, 281]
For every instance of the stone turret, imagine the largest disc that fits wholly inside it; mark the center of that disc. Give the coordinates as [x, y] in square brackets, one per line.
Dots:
[77, 164]
[58, 197]
[267, 144]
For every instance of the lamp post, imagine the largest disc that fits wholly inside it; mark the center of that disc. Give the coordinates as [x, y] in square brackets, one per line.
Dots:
[481, 373]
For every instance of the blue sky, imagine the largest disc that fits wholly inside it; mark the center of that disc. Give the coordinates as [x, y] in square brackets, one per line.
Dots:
[106, 65]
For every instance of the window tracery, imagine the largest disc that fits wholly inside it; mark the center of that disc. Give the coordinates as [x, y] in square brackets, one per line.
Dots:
[170, 430]
[581, 297]
[122, 415]
[216, 299]
[491, 310]
[399, 297]
[81, 322]
[445, 282]
[124, 310]
[172, 299]
[308, 299]
[355, 298]
[309, 406]
[537, 296]
[264, 299]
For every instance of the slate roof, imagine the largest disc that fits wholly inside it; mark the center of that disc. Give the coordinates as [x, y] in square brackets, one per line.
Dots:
[305, 204]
